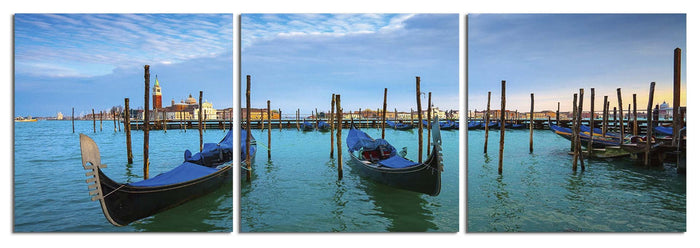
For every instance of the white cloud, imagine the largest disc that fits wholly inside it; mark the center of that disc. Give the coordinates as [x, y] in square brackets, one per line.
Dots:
[118, 40]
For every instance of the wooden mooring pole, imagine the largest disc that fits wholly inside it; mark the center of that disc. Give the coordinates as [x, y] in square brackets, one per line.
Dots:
[650, 129]
[503, 127]
[279, 111]
[331, 122]
[635, 127]
[486, 123]
[127, 129]
[94, 130]
[146, 128]
[532, 122]
[558, 124]
[199, 117]
[622, 124]
[384, 114]
[101, 120]
[573, 128]
[114, 120]
[591, 123]
[676, 96]
[606, 108]
[339, 117]
[247, 130]
[420, 122]
[72, 119]
[578, 129]
[269, 132]
[297, 121]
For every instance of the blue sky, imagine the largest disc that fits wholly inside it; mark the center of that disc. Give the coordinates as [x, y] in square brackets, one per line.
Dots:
[553, 55]
[96, 60]
[300, 60]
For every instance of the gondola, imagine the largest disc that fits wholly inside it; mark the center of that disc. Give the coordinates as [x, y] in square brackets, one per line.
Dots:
[455, 124]
[518, 126]
[213, 154]
[598, 141]
[473, 125]
[378, 161]
[444, 125]
[125, 203]
[399, 126]
[638, 144]
[507, 125]
[323, 126]
[307, 126]
[663, 131]
[599, 132]
[492, 125]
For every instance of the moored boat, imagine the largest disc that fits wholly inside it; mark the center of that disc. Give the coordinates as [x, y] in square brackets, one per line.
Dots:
[123, 203]
[379, 161]
[598, 141]
[399, 126]
[307, 126]
[323, 126]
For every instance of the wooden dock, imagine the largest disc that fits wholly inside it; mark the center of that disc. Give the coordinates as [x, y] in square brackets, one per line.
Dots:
[180, 124]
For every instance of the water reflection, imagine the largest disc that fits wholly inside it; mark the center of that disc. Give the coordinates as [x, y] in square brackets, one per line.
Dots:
[405, 210]
[206, 213]
[338, 211]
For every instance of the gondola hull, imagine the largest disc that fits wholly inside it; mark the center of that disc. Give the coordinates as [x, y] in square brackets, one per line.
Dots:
[423, 178]
[403, 127]
[598, 142]
[418, 177]
[123, 204]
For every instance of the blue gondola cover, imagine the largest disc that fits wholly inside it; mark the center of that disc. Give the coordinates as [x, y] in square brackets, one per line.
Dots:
[185, 172]
[397, 162]
[360, 140]
[212, 152]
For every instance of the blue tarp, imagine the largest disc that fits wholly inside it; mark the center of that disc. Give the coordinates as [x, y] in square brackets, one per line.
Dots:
[358, 140]
[668, 131]
[307, 126]
[323, 125]
[253, 147]
[397, 162]
[183, 173]
[213, 153]
[396, 125]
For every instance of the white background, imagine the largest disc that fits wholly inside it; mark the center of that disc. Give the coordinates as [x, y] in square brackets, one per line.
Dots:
[235, 239]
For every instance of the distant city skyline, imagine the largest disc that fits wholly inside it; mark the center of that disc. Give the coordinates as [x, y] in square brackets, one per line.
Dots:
[91, 61]
[298, 61]
[553, 55]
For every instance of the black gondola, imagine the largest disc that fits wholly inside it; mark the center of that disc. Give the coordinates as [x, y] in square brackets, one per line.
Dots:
[323, 126]
[378, 160]
[307, 126]
[598, 141]
[126, 203]
[399, 125]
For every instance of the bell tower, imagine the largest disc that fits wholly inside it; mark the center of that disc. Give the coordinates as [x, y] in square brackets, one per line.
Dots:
[157, 97]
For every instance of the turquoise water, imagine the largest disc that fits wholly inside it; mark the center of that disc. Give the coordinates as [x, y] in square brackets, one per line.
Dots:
[298, 189]
[50, 193]
[538, 192]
